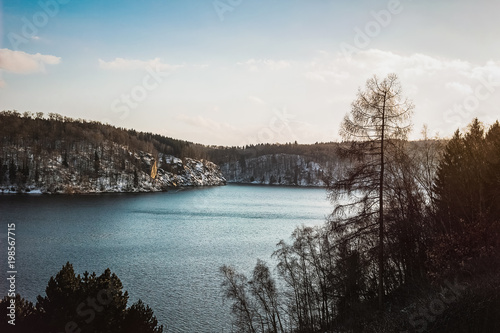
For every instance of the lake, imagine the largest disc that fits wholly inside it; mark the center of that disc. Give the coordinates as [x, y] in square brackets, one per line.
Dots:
[165, 247]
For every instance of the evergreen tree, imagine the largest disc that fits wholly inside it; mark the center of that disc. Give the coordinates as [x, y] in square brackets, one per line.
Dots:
[492, 189]
[25, 312]
[140, 318]
[63, 294]
[87, 303]
[465, 177]
[466, 200]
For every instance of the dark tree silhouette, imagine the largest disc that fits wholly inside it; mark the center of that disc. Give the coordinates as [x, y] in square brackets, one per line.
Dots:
[88, 303]
[379, 121]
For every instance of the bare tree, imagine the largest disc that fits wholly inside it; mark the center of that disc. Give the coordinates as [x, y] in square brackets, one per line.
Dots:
[378, 123]
[263, 289]
[235, 286]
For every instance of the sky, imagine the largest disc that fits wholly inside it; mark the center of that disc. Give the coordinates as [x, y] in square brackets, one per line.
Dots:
[237, 72]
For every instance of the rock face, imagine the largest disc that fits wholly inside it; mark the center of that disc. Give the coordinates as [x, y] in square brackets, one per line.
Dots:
[277, 169]
[56, 176]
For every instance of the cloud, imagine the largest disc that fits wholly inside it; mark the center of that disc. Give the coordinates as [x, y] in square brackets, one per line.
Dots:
[460, 87]
[134, 64]
[338, 68]
[326, 74]
[24, 63]
[259, 64]
[447, 92]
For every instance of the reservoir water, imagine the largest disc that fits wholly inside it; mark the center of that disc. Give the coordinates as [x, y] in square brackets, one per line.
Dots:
[165, 247]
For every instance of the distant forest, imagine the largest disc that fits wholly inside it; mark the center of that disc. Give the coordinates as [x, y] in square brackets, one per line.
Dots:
[38, 149]
[62, 154]
[33, 145]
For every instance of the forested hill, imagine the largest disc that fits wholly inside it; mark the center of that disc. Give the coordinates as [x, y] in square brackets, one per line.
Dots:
[278, 164]
[57, 154]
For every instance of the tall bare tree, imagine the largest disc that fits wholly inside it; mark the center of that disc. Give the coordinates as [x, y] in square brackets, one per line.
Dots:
[379, 122]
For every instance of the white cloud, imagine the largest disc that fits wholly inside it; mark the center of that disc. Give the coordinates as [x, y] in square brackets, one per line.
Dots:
[24, 63]
[459, 87]
[259, 64]
[133, 64]
[326, 74]
[447, 92]
[338, 68]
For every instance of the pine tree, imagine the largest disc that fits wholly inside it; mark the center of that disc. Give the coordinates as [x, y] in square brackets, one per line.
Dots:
[493, 170]
[140, 318]
[91, 303]
[448, 184]
[462, 180]
[467, 202]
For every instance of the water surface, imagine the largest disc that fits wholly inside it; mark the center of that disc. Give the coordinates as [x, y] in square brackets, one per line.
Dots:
[165, 247]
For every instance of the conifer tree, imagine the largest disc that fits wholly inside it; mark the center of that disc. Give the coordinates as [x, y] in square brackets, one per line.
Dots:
[378, 123]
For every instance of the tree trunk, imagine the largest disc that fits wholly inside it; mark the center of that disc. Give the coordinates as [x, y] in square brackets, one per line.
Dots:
[381, 216]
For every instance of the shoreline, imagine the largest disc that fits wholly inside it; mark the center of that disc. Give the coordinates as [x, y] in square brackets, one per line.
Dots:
[38, 191]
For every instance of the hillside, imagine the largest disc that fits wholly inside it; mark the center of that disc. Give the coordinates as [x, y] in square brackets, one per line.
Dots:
[276, 169]
[62, 155]
[56, 154]
[278, 164]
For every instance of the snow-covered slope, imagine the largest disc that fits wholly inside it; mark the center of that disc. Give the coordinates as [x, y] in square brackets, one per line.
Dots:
[277, 169]
[57, 176]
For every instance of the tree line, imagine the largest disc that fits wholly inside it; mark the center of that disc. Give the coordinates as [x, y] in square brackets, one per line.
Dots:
[408, 220]
[55, 152]
[33, 145]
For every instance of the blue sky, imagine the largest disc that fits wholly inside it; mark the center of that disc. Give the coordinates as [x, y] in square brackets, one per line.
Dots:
[233, 72]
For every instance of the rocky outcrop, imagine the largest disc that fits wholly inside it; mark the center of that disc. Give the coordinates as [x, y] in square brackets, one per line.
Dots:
[56, 175]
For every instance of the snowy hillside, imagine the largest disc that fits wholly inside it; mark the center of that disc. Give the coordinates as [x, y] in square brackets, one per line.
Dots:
[62, 155]
[55, 177]
[277, 169]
